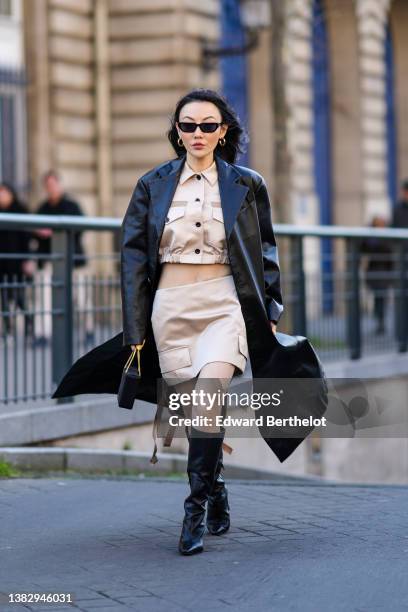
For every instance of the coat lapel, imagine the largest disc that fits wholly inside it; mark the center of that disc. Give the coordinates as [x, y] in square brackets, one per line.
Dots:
[162, 190]
[231, 191]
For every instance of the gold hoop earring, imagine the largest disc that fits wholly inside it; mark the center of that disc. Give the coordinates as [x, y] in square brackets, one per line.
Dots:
[222, 142]
[180, 143]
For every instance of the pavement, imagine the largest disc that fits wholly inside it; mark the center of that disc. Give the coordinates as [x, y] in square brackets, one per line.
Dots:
[111, 542]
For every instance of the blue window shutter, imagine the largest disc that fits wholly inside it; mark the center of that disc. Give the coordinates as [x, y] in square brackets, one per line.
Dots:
[392, 165]
[234, 68]
[7, 135]
[322, 143]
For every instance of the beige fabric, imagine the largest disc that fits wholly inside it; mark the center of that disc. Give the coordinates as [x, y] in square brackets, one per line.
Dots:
[198, 323]
[194, 230]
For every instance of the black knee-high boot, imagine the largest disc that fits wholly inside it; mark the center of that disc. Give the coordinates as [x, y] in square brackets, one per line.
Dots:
[218, 511]
[203, 455]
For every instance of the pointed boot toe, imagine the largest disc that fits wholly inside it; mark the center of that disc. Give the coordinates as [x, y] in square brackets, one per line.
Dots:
[188, 544]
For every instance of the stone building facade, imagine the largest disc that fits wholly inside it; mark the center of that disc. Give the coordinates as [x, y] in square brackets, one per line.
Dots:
[365, 104]
[108, 74]
[103, 78]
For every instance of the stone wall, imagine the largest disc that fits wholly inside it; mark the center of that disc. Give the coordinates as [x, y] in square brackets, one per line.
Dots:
[356, 34]
[155, 59]
[298, 53]
[371, 16]
[61, 104]
[104, 78]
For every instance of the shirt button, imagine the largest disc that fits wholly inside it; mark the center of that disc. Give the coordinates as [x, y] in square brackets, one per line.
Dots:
[198, 224]
[197, 251]
[198, 177]
[197, 199]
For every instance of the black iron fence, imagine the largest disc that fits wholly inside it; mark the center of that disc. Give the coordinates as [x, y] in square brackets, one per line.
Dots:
[345, 288]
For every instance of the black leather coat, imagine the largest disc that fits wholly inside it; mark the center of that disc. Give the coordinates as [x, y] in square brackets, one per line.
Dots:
[250, 240]
[255, 268]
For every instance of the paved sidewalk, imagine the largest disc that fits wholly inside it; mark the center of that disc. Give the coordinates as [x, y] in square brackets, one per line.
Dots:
[112, 543]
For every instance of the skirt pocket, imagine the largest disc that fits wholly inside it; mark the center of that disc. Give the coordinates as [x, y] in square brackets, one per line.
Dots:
[174, 359]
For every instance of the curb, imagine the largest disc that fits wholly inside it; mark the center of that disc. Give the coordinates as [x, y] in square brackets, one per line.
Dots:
[46, 423]
[99, 461]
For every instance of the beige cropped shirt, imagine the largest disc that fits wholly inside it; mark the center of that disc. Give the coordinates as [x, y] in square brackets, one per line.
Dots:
[194, 228]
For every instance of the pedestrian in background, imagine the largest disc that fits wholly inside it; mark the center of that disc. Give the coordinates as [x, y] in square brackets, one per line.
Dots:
[400, 212]
[58, 203]
[378, 272]
[14, 272]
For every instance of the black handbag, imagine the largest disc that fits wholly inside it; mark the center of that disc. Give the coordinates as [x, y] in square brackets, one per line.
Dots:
[130, 375]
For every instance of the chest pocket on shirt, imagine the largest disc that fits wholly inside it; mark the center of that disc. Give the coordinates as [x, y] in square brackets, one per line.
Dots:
[174, 228]
[215, 229]
[174, 213]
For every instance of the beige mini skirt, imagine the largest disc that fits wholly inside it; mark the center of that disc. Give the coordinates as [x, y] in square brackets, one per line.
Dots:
[199, 323]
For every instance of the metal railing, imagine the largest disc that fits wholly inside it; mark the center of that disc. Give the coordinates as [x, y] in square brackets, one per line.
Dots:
[65, 311]
[330, 294]
[51, 319]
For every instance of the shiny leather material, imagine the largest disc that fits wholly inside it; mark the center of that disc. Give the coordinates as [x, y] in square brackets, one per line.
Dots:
[250, 239]
[203, 453]
[218, 510]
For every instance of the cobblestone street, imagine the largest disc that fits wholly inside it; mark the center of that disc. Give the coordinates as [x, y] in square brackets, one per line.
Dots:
[112, 544]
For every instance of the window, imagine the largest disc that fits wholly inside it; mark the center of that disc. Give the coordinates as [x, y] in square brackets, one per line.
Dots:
[6, 8]
[13, 137]
[7, 138]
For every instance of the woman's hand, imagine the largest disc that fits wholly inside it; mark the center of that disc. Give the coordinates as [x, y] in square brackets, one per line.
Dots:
[273, 327]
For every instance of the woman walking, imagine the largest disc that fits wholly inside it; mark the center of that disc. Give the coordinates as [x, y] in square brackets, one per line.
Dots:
[179, 223]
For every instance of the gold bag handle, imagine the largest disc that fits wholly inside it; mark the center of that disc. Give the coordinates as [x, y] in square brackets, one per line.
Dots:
[137, 349]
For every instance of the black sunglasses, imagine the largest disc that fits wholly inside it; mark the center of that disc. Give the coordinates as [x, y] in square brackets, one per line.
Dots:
[186, 126]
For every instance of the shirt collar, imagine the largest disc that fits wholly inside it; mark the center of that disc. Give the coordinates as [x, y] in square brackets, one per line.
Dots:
[209, 173]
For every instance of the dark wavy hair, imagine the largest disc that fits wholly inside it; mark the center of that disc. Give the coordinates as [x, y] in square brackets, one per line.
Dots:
[12, 191]
[236, 137]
